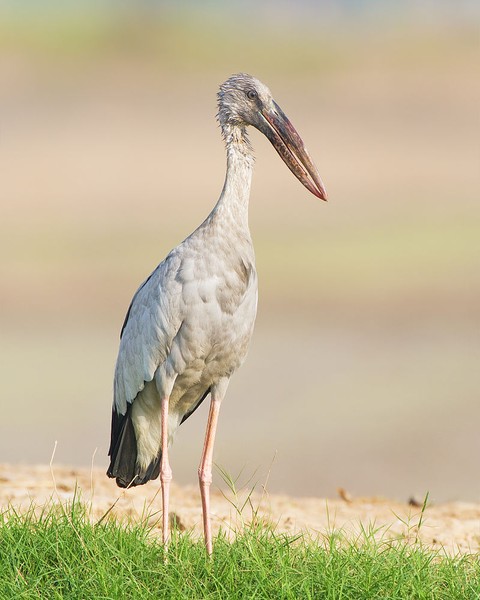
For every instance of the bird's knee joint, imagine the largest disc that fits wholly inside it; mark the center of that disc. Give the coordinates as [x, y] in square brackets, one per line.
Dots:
[166, 474]
[205, 476]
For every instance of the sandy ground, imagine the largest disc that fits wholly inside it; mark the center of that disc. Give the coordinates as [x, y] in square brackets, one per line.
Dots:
[453, 527]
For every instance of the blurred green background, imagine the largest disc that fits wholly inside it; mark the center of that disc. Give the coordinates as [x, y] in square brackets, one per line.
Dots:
[364, 369]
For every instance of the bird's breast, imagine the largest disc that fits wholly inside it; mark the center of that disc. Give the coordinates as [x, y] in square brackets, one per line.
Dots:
[219, 302]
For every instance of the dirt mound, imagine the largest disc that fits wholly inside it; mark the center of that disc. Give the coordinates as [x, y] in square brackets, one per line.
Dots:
[453, 526]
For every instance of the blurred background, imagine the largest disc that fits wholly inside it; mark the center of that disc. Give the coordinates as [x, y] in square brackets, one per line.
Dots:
[364, 369]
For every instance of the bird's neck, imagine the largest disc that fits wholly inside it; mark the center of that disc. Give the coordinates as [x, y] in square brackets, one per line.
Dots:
[233, 202]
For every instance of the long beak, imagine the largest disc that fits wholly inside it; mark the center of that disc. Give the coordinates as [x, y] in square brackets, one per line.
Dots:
[287, 142]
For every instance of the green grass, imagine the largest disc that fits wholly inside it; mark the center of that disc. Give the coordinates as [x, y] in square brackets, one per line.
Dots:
[59, 553]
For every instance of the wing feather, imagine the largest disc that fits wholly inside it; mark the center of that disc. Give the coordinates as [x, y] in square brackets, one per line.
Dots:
[152, 321]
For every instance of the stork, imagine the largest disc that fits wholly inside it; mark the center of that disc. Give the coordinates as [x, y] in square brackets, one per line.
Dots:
[189, 325]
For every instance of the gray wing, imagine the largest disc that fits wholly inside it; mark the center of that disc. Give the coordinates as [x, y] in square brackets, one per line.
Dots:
[152, 321]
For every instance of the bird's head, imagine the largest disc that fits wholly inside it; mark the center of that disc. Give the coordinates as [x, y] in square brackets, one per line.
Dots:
[244, 100]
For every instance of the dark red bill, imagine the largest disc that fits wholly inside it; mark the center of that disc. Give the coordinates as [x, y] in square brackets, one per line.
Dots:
[289, 145]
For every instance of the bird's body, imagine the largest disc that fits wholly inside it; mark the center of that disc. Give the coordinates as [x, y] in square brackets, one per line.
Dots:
[189, 324]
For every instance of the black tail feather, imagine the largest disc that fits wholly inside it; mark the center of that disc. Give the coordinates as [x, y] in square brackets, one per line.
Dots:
[123, 453]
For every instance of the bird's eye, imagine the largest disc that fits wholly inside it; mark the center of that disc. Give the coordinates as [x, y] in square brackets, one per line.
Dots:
[252, 94]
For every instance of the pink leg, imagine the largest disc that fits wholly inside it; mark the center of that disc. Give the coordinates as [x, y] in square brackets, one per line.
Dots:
[165, 472]
[205, 469]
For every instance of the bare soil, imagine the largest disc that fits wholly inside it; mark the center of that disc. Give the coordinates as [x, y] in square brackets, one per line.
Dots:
[451, 527]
